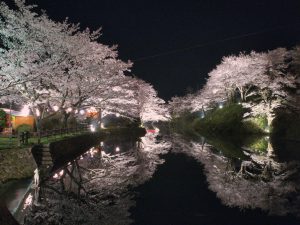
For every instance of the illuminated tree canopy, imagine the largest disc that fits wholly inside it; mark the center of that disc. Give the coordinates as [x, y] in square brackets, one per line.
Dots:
[55, 66]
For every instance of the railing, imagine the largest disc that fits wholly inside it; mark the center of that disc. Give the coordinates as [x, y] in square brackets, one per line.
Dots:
[62, 131]
[13, 140]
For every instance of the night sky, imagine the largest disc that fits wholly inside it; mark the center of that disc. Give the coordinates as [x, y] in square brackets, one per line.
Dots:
[174, 44]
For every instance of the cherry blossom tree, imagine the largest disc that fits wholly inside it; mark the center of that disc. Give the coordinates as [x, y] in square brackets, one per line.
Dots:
[61, 66]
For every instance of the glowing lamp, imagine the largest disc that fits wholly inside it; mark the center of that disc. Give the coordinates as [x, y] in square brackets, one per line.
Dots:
[55, 108]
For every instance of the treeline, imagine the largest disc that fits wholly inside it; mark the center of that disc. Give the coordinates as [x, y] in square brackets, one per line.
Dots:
[56, 67]
[263, 85]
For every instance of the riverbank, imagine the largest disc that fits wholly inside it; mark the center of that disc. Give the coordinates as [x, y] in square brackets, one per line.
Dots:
[19, 163]
[16, 164]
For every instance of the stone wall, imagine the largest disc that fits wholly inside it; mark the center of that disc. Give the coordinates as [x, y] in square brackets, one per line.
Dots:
[16, 164]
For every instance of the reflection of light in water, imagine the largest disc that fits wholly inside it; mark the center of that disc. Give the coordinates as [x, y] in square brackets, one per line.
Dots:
[93, 151]
[117, 149]
[28, 201]
[58, 175]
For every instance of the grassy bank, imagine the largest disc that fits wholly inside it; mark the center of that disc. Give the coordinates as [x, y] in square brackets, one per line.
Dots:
[13, 143]
[226, 121]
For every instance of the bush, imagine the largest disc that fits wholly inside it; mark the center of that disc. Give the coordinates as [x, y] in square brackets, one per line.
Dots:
[251, 127]
[184, 123]
[226, 120]
[2, 119]
[51, 123]
[24, 128]
[257, 144]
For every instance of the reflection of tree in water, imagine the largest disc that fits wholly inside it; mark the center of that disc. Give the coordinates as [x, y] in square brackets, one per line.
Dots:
[259, 182]
[94, 189]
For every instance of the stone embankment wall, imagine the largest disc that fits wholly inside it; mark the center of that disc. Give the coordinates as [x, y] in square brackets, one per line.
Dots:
[16, 164]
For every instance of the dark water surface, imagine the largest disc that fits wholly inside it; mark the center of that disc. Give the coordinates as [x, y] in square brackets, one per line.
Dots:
[171, 180]
[178, 194]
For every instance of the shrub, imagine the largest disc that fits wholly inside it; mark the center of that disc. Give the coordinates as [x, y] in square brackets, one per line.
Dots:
[251, 127]
[257, 144]
[51, 123]
[24, 128]
[2, 119]
[225, 120]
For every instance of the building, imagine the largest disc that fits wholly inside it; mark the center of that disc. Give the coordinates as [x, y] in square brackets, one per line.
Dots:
[17, 118]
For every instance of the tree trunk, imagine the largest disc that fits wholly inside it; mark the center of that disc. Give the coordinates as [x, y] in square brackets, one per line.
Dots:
[65, 119]
[100, 118]
[37, 124]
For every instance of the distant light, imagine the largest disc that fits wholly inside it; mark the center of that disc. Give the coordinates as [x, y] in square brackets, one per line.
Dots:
[68, 110]
[93, 151]
[117, 114]
[92, 110]
[37, 112]
[101, 143]
[267, 138]
[76, 111]
[28, 201]
[93, 128]
[25, 110]
[102, 125]
[220, 105]
[55, 108]
[82, 112]
[117, 149]
[156, 129]
[239, 103]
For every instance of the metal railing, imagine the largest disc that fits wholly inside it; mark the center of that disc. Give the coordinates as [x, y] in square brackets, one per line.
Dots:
[23, 138]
